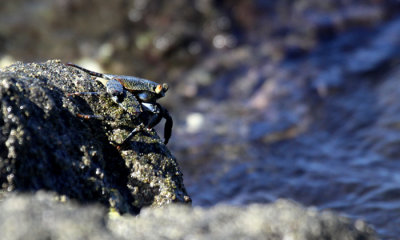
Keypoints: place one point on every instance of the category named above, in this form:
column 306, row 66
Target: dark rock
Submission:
column 39, row 216
column 45, row 146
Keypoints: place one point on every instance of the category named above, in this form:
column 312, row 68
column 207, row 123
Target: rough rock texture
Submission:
column 39, row 216
column 43, row 145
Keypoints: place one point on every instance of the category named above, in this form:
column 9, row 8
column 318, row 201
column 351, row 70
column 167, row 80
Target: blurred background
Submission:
column 270, row 99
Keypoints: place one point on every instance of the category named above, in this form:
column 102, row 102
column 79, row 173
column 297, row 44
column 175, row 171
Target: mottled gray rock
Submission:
column 39, row 216
column 43, row 145
column 280, row 220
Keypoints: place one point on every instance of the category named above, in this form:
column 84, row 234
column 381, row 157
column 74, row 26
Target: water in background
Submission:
column 321, row 128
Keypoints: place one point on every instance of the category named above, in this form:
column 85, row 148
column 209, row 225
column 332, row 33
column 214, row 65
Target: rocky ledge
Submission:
column 44, row 145
column 43, row 216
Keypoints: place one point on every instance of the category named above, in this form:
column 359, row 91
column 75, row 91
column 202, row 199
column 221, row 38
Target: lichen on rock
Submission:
column 44, row 145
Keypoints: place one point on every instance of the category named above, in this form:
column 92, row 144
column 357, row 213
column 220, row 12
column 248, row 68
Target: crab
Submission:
column 134, row 95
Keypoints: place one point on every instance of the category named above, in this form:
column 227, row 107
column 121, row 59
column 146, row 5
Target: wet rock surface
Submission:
column 43, row 216
column 44, row 145
column 321, row 129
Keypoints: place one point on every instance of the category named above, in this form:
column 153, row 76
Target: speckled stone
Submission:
column 44, row 216
column 44, row 145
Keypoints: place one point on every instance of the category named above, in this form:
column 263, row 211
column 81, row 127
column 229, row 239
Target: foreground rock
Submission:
column 43, row 145
column 39, row 216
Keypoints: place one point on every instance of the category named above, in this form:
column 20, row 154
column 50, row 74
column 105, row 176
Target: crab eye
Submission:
column 158, row 89
column 165, row 87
